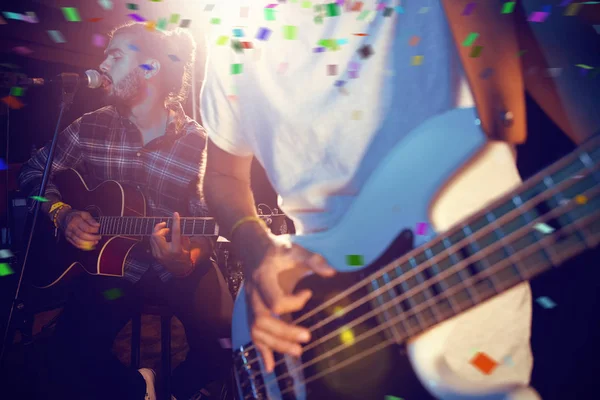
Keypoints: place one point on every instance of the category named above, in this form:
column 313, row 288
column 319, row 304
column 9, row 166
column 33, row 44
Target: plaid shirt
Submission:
column 104, row 145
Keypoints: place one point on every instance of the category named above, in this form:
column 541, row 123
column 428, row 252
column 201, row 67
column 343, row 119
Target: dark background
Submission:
column 565, row 338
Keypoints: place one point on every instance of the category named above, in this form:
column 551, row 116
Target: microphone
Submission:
column 92, row 79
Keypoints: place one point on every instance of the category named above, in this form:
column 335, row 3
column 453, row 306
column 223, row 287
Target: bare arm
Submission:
column 229, row 198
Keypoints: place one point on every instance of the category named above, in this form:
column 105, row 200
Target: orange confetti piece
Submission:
column 484, row 363
column 360, row 34
column 94, row 19
column 580, row 199
column 12, row 102
column 414, row 40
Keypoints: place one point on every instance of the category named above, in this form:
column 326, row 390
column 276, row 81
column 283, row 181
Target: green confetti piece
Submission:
column 270, row 14
column 236, row 69
column 584, row 66
column 71, row 14
column 17, row 91
column 132, row 6
column 355, row 260
column 222, row 40
column 476, row 51
column 318, row 20
column 388, row 397
column 290, row 32
column 112, row 294
column 40, row 199
column 5, row 269
column 363, row 15
column 470, row 39
column 161, row 24
column 174, row 19
column 508, row 7
column 237, row 46
column 333, row 10
column 215, row 21
column 306, row 4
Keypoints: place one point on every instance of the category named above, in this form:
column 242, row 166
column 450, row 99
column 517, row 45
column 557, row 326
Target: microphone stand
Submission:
column 69, row 83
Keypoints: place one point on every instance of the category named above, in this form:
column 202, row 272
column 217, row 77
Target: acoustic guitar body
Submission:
column 61, row 260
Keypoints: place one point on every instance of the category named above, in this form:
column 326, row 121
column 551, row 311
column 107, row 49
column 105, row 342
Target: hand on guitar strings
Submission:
column 176, row 255
column 269, row 290
column 80, row 229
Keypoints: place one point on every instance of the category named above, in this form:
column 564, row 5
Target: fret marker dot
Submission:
column 581, row 199
column 355, row 260
column 347, row 336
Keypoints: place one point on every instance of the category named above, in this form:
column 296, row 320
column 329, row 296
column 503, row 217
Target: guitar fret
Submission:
column 204, row 227
column 183, row 229
column 386, row 314
column 194, row 227
column 426, row 292
column 473, row 244
column 506, row 248
column 410, row 300
column 471, row 292
column 437, row 271
column 393, row 294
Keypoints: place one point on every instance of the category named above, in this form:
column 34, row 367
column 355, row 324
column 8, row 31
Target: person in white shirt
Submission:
column 318, row 99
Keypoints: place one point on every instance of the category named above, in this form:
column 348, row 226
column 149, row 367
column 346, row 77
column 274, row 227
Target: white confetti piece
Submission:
column 57, row 37
column 544, row 228
column 5, row 253
column 106, row 4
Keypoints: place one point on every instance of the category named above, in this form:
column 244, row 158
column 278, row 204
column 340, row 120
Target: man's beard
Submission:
column 127, row 90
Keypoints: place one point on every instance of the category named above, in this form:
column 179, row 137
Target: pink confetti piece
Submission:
column 98, row 40
column 272, row 6
column 538, row 16
column 380, row 6
column 421, row 228
column 22, row 50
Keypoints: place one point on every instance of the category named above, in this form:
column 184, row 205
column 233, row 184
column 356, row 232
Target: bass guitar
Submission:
column 397, row 284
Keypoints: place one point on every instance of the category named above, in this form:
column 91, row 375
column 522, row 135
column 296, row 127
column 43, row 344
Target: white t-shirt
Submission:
column 318, row 142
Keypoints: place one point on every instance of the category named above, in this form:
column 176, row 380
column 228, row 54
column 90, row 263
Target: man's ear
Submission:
column 151, row 68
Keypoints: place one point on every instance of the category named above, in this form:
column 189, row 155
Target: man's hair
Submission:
column 175, row 50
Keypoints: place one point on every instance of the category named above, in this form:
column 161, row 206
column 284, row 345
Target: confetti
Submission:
column 150, row 25
column 597, row 28
column 40, row 199
column 388, row 397
column 174, row 19
column 360, row 34
column 484, row 363
column 476, row 51
column 132, row 6
column 333, row 10
column 237, row 32
column 290, row 32
column 12, row 102
column 236, row 69
column 112, row 294
column 5, row 269
column 319, row 50
column 225, row 343
column 468, row 9
column 71, row 14
column 22, row 50
column 215, row 21
column 470, row 39
column 581, row 199
column 546, row 302
column 508, row 361
column 421, row 228
column 136, row 17
column 414, row 41
column 3, row 165
column 342, row 41
column 247, row 45
column 31, row 17
column 263, row 34
column 332, row 70
column 584, row 66
column 339, row 83
column 209, row 7
column 222, row 40
column 357, row 6
column 237, row 46
column 161, row 25
column 12, row 15
column 185, row 23
column 306, row 4
column 133, row 47
column 99, row 40
column 355, row 260
column 538, row 16
column 400, row 9
column 508, row 7
column 57, row 37
column 146, row 67
column 6, row 253
column 365, row 51
column 388, row 12
column 416, row 60
column 94, row 19
column 356, row 115
column 363, row 15
column 17, row 91
column 353, row 74
column 106, row 4
column 318, row 20
column 269, row 14
column 347, row 336
column 543, row 228
column 174, row 58
column 572, row 10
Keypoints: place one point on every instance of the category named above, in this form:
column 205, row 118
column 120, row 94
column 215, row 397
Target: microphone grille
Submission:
column 94, row 78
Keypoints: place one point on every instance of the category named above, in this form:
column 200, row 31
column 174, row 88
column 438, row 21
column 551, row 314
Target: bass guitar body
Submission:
column 58, row 260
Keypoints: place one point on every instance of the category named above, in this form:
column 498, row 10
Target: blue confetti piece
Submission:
column 146, row 67
column 319, row 50
column 133, row 47
column 263, row 34
column 342, row 41
column 546, row 302
column 547, row 9
column 399, row 9
column 174, row 58
column 340, row 83
column 3, row 165
column 237, row 32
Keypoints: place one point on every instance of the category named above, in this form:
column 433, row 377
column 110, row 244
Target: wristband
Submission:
column 56, row 212
column 242, row 221
column 55, row 206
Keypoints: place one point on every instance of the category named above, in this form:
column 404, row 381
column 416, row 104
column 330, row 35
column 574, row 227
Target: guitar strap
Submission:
column 499, row 97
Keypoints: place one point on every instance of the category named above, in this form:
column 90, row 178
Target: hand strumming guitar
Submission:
column 269, row 290
column 179, row 255
column 80, row 228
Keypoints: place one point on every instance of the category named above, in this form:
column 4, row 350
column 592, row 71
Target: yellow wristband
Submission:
column 56, row 205
column 243, row 221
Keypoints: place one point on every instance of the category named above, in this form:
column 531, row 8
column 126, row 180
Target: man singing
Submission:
column 320, row 99
column 142, row 139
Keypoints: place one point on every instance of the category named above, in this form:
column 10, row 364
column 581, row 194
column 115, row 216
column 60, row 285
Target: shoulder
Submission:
column 193, row 131
column 101, row 115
